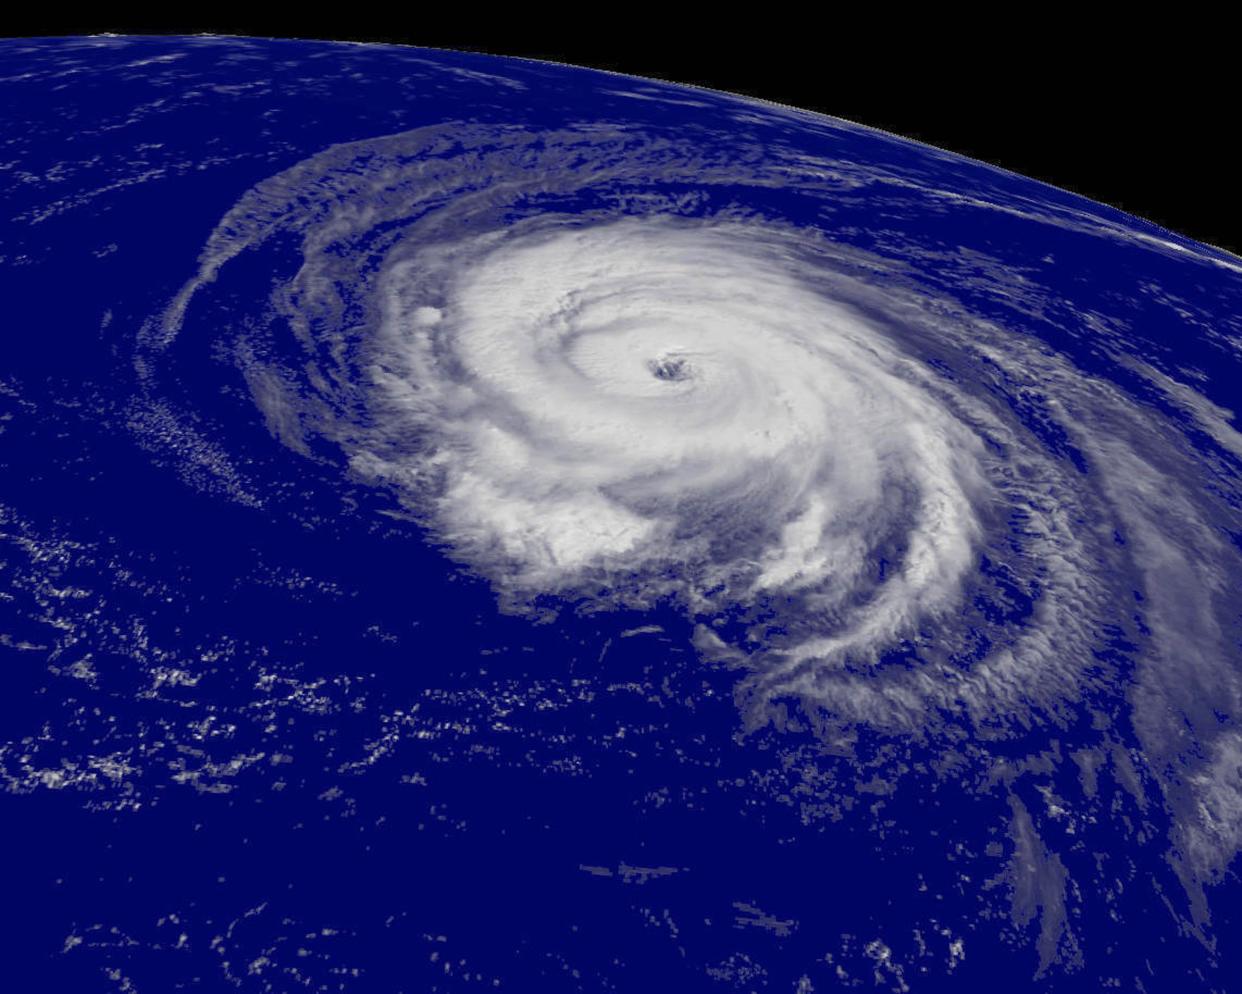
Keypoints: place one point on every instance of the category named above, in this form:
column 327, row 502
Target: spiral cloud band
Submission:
column 866, row 495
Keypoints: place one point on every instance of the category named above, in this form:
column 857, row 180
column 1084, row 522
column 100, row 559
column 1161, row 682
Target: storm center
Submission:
column 672, row 368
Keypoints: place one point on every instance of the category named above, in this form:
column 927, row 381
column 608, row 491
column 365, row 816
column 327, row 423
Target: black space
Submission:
column 1143, row 117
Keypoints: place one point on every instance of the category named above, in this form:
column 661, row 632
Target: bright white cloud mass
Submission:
column 868, row 498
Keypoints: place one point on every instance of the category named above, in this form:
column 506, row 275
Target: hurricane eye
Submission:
column 671, row 368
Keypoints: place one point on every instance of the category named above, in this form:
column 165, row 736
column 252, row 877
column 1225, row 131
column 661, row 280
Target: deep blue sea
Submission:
column 477, row 524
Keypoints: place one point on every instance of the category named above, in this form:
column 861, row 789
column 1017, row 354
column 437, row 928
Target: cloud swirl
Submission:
column 607, row 368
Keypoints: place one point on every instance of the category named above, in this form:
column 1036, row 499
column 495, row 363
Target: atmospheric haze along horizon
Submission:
column 914, row 497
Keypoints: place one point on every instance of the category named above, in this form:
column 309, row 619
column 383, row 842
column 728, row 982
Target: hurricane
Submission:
column 862, row 494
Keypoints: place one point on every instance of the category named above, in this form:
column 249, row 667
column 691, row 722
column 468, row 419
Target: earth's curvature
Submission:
column 470, row 524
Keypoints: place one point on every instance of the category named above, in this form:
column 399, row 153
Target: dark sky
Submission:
column 1142, row 116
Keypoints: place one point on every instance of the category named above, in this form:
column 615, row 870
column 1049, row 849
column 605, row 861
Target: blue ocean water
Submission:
column 372, row 620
